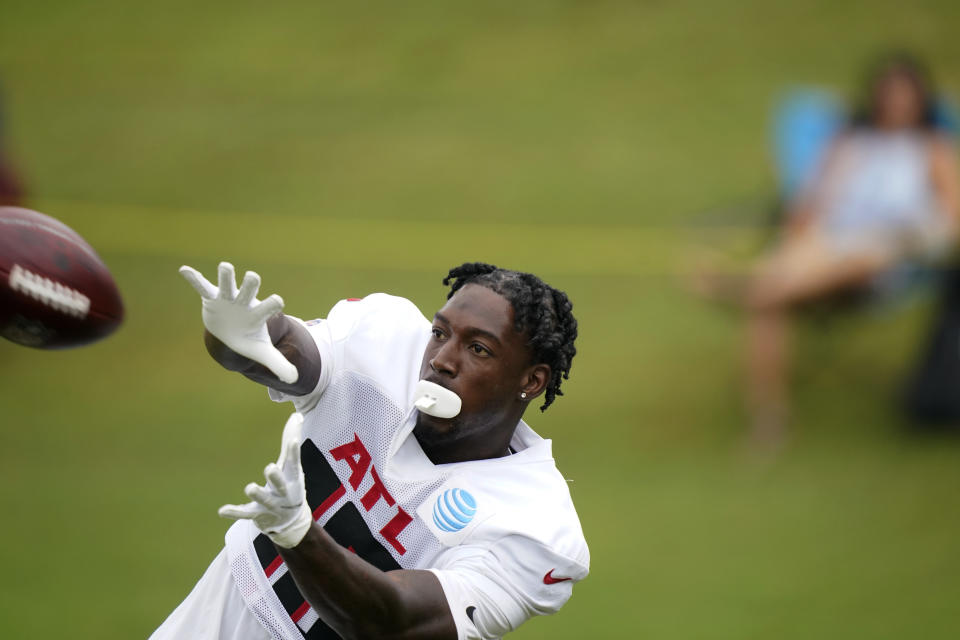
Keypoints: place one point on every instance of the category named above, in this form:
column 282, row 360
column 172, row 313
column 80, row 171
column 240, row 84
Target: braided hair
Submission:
column 540, row 311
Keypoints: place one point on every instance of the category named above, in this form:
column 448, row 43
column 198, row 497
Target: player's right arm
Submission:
column 253, row 337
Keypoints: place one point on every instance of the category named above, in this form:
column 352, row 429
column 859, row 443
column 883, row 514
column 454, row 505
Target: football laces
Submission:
column 55, row 295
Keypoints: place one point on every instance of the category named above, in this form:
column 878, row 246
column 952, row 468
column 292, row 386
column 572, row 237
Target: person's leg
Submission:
column 799, row 272
column 767, row 336
column 802, row 268
column 814, row 280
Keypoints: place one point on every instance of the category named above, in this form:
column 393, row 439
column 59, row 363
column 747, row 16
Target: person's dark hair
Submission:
column 902, row 63
column 540, row 311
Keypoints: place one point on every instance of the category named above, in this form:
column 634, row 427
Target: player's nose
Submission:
column 444, row 361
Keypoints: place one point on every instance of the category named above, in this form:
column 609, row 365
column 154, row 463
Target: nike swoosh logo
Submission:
column 549, row 579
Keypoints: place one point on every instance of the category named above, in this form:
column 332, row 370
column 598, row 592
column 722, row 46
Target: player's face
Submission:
column 899, row 103
column 476, row 352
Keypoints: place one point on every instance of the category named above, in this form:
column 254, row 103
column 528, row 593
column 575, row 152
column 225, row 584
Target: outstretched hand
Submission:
column 279, row 508
column 238, row 319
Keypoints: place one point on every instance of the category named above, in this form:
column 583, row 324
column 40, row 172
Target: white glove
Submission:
column 239, row 320
column 279, row 508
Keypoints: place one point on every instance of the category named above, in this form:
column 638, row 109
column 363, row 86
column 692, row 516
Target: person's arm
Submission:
column 253, row 337
column 358, row 600
column 350, row 595
column 946, row 181
column 292, row 340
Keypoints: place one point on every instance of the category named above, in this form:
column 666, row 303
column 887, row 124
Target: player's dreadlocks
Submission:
column 541, row 311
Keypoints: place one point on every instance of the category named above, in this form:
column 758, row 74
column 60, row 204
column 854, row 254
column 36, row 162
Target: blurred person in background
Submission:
column 886, row 192
column 11, row 191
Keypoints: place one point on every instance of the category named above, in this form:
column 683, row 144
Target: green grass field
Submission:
column 351, row 149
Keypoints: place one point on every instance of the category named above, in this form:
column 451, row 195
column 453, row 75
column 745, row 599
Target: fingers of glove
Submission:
column 240, row 511
column 290, row 442
column 290, row 463
column 226, row 281
column 268, row 355
column 203, row 286
column 275, row 479
column 248, row 288
column 269, row 307
column 266, row 498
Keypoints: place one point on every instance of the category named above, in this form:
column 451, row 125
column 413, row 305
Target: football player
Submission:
column 410, row 499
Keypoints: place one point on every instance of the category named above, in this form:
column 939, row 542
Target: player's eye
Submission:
column 437, row 333
column 479, row 349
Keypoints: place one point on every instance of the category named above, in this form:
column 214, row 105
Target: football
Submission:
column 55, row 291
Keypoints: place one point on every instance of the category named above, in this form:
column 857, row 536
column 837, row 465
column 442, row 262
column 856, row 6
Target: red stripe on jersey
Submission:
column 273, row 566
column 329, row 502
column 319, row 511
column 300, row 612
column 354, row 299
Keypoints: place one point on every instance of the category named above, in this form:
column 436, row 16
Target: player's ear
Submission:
column 535, row 380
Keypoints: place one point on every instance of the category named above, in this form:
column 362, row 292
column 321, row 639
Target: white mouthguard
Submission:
column 434, row 400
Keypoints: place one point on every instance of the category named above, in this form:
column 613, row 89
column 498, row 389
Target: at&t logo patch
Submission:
column 454, row 510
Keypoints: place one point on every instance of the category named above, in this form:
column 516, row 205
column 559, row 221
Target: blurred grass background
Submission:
column 341, row 150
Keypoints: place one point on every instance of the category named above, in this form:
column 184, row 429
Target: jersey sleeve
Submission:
column 492, row 590
column 370, row 335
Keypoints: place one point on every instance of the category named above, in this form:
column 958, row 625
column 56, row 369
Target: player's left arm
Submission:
column 350, row 595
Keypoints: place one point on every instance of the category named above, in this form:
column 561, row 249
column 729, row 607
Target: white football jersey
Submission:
column 501, row 535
